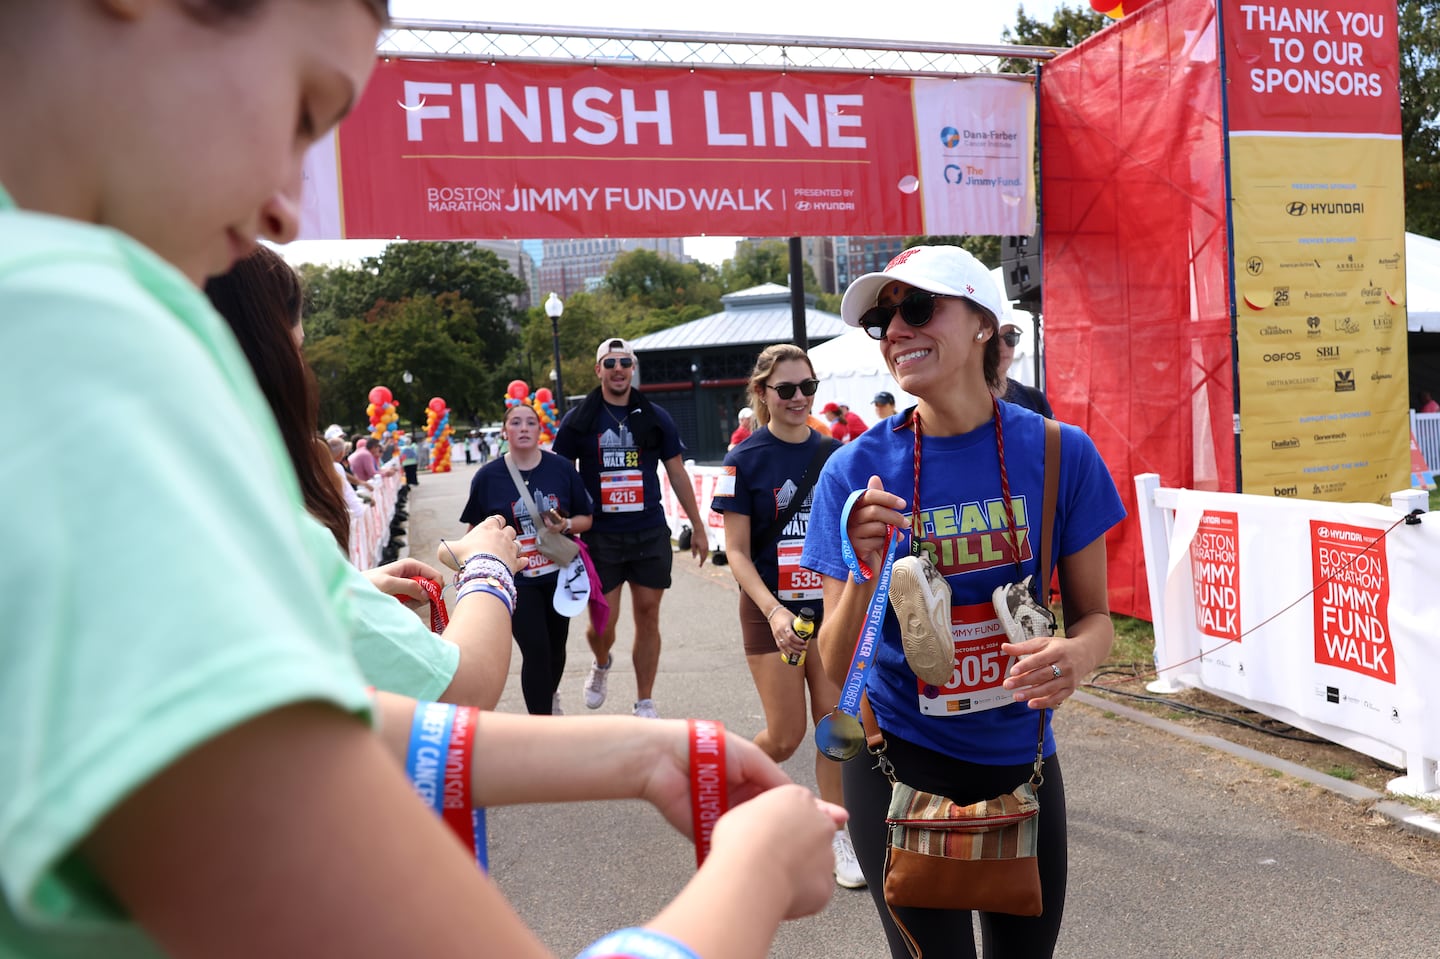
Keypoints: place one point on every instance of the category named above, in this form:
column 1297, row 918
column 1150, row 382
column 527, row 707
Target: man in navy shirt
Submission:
column 1015, row 391
column 618, row 439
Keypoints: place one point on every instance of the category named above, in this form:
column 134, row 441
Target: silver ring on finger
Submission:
column 1055, row 671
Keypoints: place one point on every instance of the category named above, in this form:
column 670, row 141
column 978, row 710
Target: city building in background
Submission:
column 818, row 251
column 858, row 255
column 576, row 266
column 515, row 256
column 699, row 370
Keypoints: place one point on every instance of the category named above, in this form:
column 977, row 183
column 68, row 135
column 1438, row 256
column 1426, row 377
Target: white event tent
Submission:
column 1422, row 283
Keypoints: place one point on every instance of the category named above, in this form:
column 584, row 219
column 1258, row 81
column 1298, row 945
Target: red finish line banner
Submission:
column 462, row 150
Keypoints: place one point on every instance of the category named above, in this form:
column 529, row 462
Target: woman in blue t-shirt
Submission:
column 970, row 469
column 766, row 501
column 539, row 630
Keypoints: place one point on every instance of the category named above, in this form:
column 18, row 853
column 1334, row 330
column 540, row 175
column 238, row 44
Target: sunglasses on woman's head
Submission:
column 916, row 309
column 786, row 391
column 624, row 361
column 1011, row 338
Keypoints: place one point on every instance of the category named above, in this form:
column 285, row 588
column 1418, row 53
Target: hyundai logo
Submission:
column 1296, row 208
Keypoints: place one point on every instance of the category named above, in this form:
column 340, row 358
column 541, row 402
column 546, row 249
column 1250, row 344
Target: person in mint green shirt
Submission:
column 188, row 767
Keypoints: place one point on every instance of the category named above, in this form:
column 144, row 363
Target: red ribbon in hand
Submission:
column 709, row 793
column 439, row 615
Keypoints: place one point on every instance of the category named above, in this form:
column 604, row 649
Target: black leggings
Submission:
column 948, row 934
column 540, row 632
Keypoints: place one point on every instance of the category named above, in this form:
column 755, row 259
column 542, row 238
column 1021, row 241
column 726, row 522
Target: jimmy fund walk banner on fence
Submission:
column 466, row 150
column 1319, row 237
column 1354, row 652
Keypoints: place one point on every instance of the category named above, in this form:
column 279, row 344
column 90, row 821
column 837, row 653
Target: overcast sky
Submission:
column 951, row 21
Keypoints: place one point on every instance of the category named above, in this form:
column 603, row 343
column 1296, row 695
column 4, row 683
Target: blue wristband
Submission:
column 425, row 754
column 637, row 943
column 476, row 586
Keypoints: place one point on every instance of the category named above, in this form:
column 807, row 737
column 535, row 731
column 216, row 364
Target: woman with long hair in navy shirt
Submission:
column 767, row 471
column 539, row 630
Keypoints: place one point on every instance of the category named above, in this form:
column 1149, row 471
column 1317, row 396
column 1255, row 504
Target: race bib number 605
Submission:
column 979, row 670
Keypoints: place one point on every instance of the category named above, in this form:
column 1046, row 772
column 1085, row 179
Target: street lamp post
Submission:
column 553, row 308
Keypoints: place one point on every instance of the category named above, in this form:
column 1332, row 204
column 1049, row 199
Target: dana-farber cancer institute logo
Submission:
column 950, row 137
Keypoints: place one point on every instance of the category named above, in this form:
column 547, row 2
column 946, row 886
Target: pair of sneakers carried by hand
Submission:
column 921, row 599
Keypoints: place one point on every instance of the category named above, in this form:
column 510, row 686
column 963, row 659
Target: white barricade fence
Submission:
column 703, row 479
column 1426, row 429
column 370, row 531
column 1331, row 621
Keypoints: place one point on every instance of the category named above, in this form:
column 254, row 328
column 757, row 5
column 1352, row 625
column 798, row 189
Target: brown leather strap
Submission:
column 874, row 738
column 1047, row 506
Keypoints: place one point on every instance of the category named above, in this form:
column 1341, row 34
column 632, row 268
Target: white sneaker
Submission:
column 847, row 869
column 645, row 709
column 1020, row 614
column 555, row 709
column 921, row 599
column 595, row 684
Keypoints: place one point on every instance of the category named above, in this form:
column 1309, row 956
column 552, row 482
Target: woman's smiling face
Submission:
column 925, row 359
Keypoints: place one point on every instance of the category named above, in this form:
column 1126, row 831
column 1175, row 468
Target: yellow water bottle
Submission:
column 804, row 626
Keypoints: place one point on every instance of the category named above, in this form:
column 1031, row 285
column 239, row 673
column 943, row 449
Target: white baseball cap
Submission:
column 334, row 432
column 746, row 413
column 613, row 345
column 937, row 269
column 572, row 589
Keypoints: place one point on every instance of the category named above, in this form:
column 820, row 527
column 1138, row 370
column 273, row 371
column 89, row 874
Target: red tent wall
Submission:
column 1136, row 276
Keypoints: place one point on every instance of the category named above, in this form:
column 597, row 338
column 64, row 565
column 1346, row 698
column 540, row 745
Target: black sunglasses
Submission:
column 786, row 391
column 1011, row 338
column 916, row 309
column 624, row 361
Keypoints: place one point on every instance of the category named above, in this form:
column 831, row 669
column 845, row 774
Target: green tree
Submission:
column 1419, row 33
column 767, row 261
column 586, row 321
column 1067, row 27
column 986, row 249
column 644, row 280
column 433, row 338
column 409, row 299
column 474, row 274
column 334, row 294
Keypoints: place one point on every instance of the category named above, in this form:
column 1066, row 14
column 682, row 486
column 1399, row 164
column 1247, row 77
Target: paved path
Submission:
column 1174, row 850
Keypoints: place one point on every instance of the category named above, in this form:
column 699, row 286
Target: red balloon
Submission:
column 437, row 404
column 543, row 395
column 1115, row 9
column 380, row 396
column 518, row 390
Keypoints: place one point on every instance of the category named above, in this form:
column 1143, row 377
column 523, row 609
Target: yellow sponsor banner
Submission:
column 1319, row 241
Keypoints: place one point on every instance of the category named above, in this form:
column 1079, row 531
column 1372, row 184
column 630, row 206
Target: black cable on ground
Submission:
column 1111, row 670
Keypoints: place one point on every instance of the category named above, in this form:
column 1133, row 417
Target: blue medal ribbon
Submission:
column 869, row 639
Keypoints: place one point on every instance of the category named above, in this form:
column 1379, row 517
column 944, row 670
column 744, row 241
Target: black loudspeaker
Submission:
column 1020, row 265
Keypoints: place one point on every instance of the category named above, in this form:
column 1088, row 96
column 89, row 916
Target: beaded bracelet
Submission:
column 637, row 943
column 486, row 567
column 486, row 562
